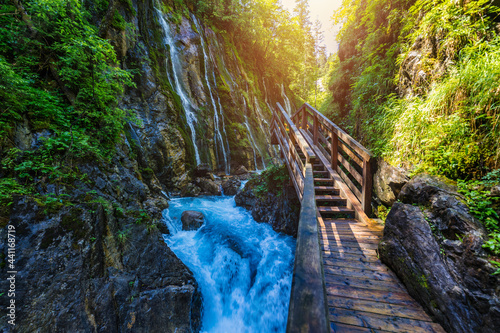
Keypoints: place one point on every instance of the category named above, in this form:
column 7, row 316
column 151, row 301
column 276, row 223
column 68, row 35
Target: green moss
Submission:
column 118, row 21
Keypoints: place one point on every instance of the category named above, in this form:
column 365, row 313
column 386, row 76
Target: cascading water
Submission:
column 244, row 268
column 173, row 78
column 288, row 106
column 217, row 134
column 253, row 143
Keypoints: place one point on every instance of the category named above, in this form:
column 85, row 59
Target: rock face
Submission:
column 281, row 211
column 434, row 246
column 100, row 265
column 231, row 186
column 192, row 220
column 388, row 182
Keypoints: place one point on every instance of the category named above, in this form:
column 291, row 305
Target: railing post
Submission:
column 304, row 119
column 334, row 151
column 367, row 187
column 315, row 128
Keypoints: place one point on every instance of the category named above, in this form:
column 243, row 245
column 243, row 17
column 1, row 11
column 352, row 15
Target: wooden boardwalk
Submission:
column 345, row 287
column 363, row 294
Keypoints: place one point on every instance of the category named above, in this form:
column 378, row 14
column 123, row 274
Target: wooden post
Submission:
column 315, row 128
column 367, row 187
column 304, row 119
column 334, row 152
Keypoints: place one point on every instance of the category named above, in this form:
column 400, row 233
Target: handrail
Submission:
column 346, row 156
column 298, row 137
column 308, row 311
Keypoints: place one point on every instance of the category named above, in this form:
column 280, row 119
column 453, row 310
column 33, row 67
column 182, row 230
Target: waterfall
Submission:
column 243, row 268
column 251, row 138
column 176, row 83
column 288, row 106
column 217, row 134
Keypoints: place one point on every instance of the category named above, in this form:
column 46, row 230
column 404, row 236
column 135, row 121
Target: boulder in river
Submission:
column 231, row 186
column 202, row 170
column 208, row 186
column 240, row 170
column 434, row 245
column 192, row 220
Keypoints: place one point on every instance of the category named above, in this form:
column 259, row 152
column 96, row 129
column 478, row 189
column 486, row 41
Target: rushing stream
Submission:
column 244, row 268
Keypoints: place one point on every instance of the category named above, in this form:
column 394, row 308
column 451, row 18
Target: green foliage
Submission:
column 447, row 122
column 118, row 21
column 272, row 180
column 482, row 206
column 57, row 75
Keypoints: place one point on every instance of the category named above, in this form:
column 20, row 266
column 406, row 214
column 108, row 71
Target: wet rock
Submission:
column 445, row 205
column 231, row 186
column 495, row 191
column 388, row 182
column 208, row 186
column 280, row 210
column 202, row 170
column 434, row 246
column 192, row 220
column 190, row 190
column 240, row 170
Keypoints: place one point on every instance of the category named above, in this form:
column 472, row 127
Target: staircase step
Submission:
column 331, row 198
column 331, row 189
column 320, row 172
column 323, row 180
column 335, row 210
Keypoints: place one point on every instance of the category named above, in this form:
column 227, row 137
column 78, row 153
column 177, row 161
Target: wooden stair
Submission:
column 363, row 294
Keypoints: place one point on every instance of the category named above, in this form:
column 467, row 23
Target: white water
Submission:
column 244, row 268
column 176, row 83
column 253, row 143
column 218, row 134
column 288, row 106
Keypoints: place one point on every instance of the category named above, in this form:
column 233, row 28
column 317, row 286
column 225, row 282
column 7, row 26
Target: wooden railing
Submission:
column 286, row 134
column 308, row 310
column 345, row 155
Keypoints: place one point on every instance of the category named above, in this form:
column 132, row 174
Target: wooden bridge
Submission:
column 339, row 283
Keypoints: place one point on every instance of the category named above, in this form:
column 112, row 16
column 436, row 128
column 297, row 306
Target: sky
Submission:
column 323, row 10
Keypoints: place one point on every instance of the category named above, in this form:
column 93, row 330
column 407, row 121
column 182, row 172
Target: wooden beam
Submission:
column 308, row 311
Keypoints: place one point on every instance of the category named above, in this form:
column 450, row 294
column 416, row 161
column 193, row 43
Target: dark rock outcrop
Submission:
column 208, row 186
column 280, row 210
column 231, row 186
column 98, row 265
column 388, row 182
column 192, row 220
column 434, row 246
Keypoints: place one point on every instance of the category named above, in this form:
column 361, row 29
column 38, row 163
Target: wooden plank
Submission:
column 335, row 209
column 348, row 152
column 347, row 249
column 308, row 301
column 345, row 239
column 376, row 321
column 361, row 273
column 349, row 183
column 349, row 256
column 378, row 307
column 344, row 328
column 359, row 264
column 351, row 169
column 366, row 283
column 371, row 295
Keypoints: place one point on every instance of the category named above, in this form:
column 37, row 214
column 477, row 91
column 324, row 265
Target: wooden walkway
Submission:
column 361, row 293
